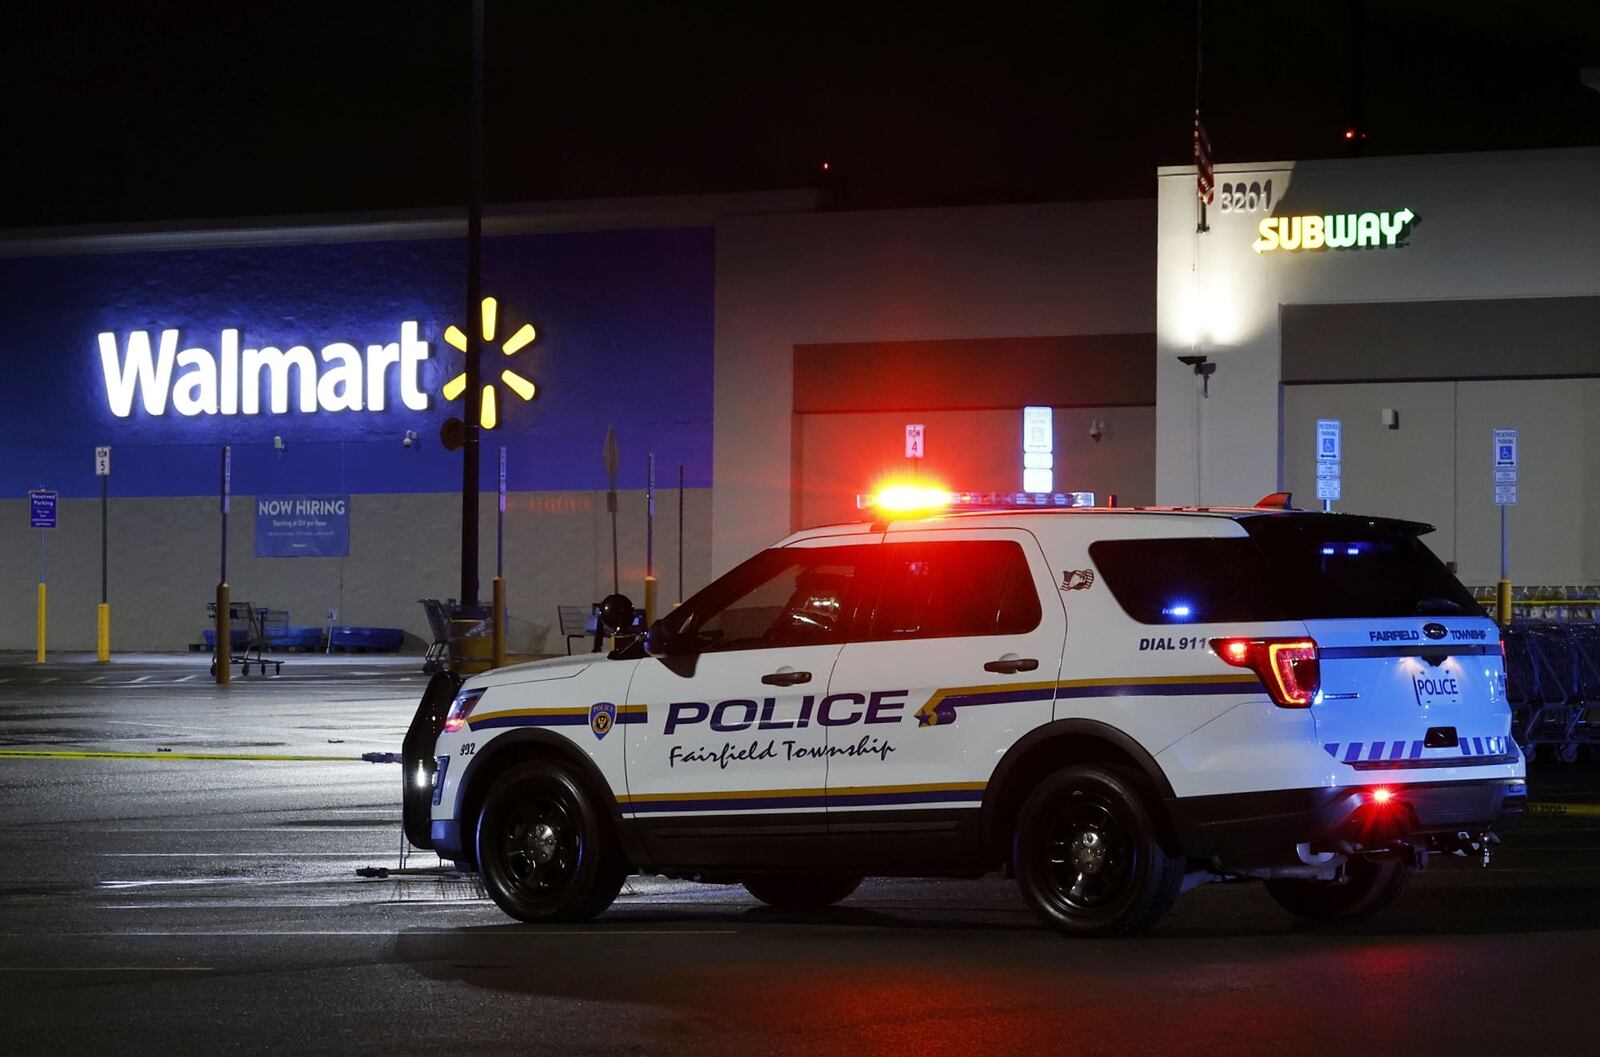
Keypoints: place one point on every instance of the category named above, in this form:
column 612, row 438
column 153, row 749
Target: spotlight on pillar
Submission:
column 1203, row 369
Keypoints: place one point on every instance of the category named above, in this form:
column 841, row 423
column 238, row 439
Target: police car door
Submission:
column 962, row 655
column 729, row 767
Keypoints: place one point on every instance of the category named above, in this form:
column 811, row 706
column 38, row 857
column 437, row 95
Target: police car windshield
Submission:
column 1289, row 567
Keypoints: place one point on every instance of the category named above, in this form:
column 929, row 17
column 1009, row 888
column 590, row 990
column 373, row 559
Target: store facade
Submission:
column 782, row 355
column 324, row 358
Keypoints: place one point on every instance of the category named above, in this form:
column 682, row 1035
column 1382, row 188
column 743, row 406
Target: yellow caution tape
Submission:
column 1573, row 810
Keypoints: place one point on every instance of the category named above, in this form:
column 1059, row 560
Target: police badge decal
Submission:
column 601, row 717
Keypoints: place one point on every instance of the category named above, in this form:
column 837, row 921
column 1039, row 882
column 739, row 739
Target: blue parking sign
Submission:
column 42, row 508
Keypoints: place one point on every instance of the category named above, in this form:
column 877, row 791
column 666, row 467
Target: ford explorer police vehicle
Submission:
column 1111, row 705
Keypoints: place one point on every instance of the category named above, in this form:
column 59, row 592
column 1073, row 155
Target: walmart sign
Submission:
column 197, row 381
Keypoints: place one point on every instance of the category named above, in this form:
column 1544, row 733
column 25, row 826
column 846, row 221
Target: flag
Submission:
column 1205, row 184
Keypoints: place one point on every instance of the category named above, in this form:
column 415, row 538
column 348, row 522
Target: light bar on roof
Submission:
column 894, row 501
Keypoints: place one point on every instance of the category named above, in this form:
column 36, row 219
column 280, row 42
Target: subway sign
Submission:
column 1334, row 231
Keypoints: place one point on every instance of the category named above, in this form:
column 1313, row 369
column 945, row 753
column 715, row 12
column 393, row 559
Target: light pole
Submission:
column 472, row 398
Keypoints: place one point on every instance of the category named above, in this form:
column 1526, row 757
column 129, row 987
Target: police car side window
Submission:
column 1188, row 580
column 955, row 587
column 782, row 597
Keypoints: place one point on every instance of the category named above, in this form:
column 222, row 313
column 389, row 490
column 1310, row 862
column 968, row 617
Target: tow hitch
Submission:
column 1472, row 846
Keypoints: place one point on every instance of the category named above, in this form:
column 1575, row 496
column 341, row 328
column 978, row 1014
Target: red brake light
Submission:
column 1288, row 667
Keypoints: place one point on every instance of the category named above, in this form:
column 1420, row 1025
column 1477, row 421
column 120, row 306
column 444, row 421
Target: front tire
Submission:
column 545, row 847
column 1088, row 856
column 802, row 891
column 1367, row 888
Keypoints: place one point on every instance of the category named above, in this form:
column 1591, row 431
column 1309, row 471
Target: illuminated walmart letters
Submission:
column 1335, row 231
column 229, row 382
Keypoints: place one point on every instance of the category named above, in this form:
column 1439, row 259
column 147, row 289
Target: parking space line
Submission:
column 105, row 969
column 510, row 930
column 85, row 754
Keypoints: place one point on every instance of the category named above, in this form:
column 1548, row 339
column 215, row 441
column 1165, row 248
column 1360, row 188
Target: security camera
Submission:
column 277, row 443
column 1097, row 430
column 410, row 438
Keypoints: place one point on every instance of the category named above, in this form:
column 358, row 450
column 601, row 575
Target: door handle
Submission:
column 1011, row 664
column 786, row 677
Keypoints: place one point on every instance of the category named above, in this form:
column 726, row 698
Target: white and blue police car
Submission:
column 1109, row 704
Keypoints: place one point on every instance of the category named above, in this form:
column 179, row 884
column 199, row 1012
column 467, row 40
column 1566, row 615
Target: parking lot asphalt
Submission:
column 157, row 899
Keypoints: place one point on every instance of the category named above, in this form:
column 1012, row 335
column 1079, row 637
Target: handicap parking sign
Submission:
column 1505, row 449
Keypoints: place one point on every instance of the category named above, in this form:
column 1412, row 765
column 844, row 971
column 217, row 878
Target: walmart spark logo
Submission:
column 489, row 412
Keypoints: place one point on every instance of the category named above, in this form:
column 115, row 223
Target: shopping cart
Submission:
column 247, row 638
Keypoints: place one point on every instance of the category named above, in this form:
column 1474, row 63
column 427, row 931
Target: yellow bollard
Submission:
column 40, row 657
column 103, row 629
column 224, row 637
column 499, row 622
column 1502, row 603
column 649, row 600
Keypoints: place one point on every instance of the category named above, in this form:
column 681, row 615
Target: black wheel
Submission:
column 1088, row 856
column 797, row 891
column 545, row 846
column 1367, row 888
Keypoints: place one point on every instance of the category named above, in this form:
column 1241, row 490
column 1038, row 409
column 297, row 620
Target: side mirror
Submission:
column 616, row 613
column 663, row 641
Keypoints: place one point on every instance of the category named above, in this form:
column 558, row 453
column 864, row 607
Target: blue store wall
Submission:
column 625, row 339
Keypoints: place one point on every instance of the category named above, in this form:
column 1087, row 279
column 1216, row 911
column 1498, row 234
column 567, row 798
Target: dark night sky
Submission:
column 159, row 111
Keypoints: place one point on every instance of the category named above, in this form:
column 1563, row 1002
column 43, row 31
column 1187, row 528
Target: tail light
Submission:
column 1287, row 667
column 460, row 709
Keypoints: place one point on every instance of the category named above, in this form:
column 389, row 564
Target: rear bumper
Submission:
column 1264, row 827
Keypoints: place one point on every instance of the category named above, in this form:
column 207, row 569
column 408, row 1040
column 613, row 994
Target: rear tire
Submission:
column 545, row 846
column 1088, row 855
column 802, row 891
column 1368, row 888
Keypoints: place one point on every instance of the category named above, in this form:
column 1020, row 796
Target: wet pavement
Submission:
column 160, row 901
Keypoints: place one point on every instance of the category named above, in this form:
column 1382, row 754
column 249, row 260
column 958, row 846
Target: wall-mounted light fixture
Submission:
column 1203, row 368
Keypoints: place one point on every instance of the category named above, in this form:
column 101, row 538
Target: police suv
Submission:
column 1111, row 705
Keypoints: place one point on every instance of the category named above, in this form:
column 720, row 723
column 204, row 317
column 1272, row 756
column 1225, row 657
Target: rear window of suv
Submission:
column 1294, row 567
